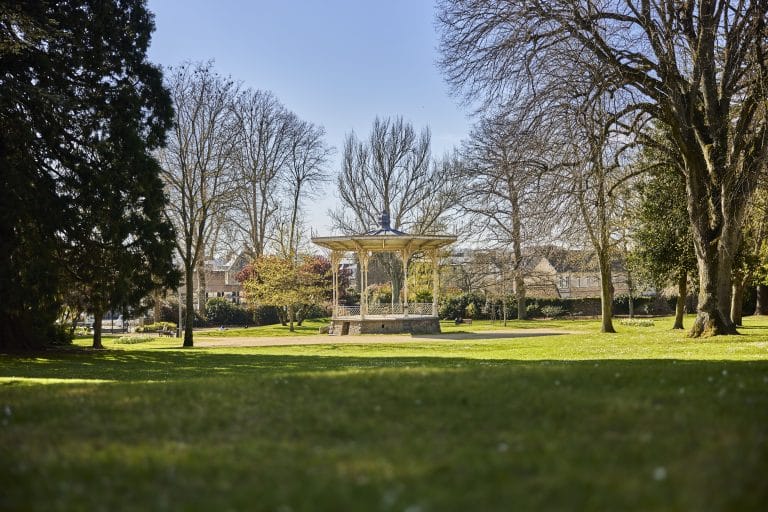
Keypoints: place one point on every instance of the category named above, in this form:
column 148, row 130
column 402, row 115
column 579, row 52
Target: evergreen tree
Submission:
column 662, row 235
column 81, row 202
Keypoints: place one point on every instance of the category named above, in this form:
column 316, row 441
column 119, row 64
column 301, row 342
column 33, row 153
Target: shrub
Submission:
column 637, row 322
column 220, row 311
column 456, row 306
column 553, row 311
column 157, row 326
column 59, row 335
column 131, row 340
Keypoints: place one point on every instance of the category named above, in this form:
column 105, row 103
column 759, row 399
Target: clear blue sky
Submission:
column 337, row 63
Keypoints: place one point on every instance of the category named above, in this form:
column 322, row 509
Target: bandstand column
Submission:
column 335, row 260
column 435, row 280
column 405, row 255
column 362, row 257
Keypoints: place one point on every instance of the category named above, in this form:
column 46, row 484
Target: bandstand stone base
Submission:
column 385, row 325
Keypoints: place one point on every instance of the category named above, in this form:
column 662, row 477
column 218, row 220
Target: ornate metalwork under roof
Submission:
column 384, row 239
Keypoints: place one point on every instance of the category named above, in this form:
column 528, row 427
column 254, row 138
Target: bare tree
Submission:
column 591, row 175
column 305, row 173
column 506, row 196
column 392, row 171
column 264, row 132
column 699, row 67
column 196, row 164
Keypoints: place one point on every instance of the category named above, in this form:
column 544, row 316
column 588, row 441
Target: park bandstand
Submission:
column 396, row 317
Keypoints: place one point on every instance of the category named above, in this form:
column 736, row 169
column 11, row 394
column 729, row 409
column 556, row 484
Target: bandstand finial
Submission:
column 384, row 220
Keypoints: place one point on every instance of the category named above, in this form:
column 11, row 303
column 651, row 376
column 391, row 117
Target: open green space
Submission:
column 645, row 419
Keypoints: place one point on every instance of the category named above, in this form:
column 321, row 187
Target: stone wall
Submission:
column 419, row 325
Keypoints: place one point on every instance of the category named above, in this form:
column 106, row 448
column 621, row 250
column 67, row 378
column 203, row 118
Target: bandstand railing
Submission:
column 416, row 309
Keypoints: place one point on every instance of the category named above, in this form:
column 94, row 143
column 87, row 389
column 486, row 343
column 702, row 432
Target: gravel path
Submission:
column 325, row 339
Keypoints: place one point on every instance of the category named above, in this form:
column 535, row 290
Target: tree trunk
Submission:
column 737, row 299
column 73, row 327
column 156, row 309
column 202, row 289
column 189, row 314
column 504, row 309
column 682, row 293
column 606, row 295
column 725, row 284
column 761, row 308
column 709, row 319
column 97, row 317
column 291, row 317
column 522, row 312
column 631, row 295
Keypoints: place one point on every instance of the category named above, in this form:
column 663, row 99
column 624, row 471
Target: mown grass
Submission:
column 641, row 420
column 309, row 326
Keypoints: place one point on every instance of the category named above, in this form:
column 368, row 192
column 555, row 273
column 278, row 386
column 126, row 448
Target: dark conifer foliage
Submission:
column 80, row 198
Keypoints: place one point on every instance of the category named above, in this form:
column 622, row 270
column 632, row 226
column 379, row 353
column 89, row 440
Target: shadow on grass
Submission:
column 162, row 365
column 209, row 431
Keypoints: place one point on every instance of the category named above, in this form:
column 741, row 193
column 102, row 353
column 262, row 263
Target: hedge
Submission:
column 456, row 306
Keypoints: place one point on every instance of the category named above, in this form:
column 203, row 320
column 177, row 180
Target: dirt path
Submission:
column 324, row 339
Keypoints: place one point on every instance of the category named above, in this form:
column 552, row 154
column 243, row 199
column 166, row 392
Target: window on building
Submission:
column 563, row 282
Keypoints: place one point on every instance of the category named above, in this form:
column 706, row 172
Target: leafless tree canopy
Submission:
column 197, row 163
column 393, row 171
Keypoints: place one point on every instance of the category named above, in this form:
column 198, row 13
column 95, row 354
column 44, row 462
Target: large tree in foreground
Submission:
column 80, row 111
column 699, row 67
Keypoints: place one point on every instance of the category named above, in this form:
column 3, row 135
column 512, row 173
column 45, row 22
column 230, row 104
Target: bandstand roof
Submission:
column 384, row 243
column 384, row 239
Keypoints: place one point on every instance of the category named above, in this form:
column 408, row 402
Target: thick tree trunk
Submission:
column 97, row 317
column 156, row 308
column 761, row 308
column 709, row 319
column 737, row 299
column 725, row 283
column 682, row 293
column 291, row 317
column 522, row 312
column 714, row 264
column 606, row 296
column 202, row 289
column 189, row 314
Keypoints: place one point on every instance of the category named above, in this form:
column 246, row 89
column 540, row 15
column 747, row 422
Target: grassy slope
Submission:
column 643, row 420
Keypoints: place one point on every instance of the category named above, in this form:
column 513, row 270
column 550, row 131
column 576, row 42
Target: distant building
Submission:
column 220, row 280
column 570, row 274
column 548, row 272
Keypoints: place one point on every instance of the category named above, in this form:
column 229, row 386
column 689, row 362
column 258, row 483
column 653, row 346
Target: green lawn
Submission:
column 309, row 326
column 641, row 420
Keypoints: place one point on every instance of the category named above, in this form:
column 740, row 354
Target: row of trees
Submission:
column 237, row 166
column 597, row 121
column 593, row 84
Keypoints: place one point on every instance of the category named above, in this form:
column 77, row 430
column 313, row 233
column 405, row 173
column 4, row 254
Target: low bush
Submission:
column 157, row 326
column 220, row 311
column 637, row 322
column 132, row 340
column 553, row 311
